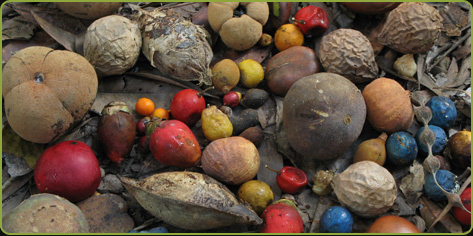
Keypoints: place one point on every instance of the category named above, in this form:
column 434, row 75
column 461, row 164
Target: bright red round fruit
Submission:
column 187, row 106
column 461, row 215
column 312, row 20
column 69, row 169
column 281, row 218
column 232, row 99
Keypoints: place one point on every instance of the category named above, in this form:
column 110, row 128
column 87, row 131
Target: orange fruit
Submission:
column 144, row 106
column 161, row 113
column 288, row 35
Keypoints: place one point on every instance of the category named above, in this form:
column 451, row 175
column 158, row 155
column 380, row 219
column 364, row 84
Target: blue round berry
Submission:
column 440, row 140
column 159, row 229
column 446, row 179
column 401, row 148
column 336, row 219
column 444, row 112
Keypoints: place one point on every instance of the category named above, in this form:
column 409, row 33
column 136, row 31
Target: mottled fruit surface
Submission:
column 392, row 224
column 444, row 112
column 461, row 215
column 446, row 180
column 256, row 193
column 440, row 140
column 336, row 219
column 281, row 218
column 459, row 146
column 401, row 148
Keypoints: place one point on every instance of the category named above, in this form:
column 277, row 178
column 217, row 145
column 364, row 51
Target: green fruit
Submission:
column 257, row 194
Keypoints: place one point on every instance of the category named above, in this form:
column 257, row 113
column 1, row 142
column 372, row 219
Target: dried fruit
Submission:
column 246, row 119
column 312, row 20
column 117, row 131
column 46, row 213
column 349, row 53
column 254, row 134
column 392, row 224
column 46, row 91
column 190, row 200
column 406, row 65
column 89, row 10
column 372, row 150
column 239, row 25
column 288, row 35
column 318, row 110
column 254, row 98
column 288, row 66
column 281, row 217
column 68, row 169
column 112, row 45
column 365, row 188
column 412, row 27
column 173, row 143
column 257, row 194
column 401, row 148
column 175, row 46
column 322, row 180
column 336, row 219
column 215, row 124
column 232, row 160
column 389, row 105
column 226, row 75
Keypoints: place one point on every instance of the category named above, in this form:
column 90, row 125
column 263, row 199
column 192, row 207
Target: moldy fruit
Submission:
column 68, row 169
column 444, row 112
column 446, row 180
column 401, row 148
column 312, row 20
column 336, row 219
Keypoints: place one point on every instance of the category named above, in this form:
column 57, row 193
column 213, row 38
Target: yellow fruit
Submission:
column 256, row 193
column 215, row 124
column 372, row 150
column 251, row 73
column 287, row 36
column 226, row 75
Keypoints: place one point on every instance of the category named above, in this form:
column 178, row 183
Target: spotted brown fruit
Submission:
column 46, row 91
column 320, row 109
column 412, row 27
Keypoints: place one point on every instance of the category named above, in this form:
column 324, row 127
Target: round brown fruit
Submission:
column 89, row 10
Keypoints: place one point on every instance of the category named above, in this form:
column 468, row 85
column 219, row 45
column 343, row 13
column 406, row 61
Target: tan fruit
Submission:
column 89, row 10
column 225, row 75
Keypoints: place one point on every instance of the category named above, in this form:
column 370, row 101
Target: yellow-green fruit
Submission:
column 372, row 150
column 251, row 73
column 225, row 75
column 216, row 124
column 256, row 193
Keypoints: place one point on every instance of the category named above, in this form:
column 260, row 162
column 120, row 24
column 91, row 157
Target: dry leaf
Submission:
column 40, row 38
column 17, row 28
column 269, row 156
column 65, row 38
column 190, row 200
column 413, row 183
column 429, row 211
column 257, row 53
column 454, row 19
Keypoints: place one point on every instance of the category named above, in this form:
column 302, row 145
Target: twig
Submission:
column 453, row 47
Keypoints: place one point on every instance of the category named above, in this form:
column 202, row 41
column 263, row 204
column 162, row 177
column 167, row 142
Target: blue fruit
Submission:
column 336, row 219
column 444, row 112
column 440, row 140
column 159, row 229
column 446, row 179
column 401, row 148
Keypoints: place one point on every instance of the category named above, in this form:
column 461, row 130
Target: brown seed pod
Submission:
column 412, row 27
column 349, row 53
column 117, row 131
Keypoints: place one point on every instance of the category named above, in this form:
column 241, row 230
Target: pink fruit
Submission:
column 69, row 169
column 173, row 143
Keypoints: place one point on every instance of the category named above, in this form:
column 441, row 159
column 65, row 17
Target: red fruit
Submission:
column 291, row 180
column 232, row 99
column 173, row 143
column 117, row 131
column 281, row 218
column 461, row 215
column 141, row 125
column 187, row 106
column 69, row 169
column 312, row 20
column 143, row 144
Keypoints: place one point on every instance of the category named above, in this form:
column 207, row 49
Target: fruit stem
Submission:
column 298, row 21
column 199, row 94
column 277, row 171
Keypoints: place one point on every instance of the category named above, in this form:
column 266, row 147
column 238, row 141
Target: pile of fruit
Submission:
column 236, row 117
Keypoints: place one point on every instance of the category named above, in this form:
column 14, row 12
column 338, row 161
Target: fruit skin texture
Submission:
column 372, row 150
column 88, row 10
column 281, row 218
column 412, row 27
column 312, row 20
column 444, row 112
column 144, row 106
column 46, row 91
column 117, row 131
column 349, row 53
column 365, row 188
column 401, row 148
column 68, row 169
column 216, row 124
column 440, row 140
column 459, row 147
column 225, row 75
column 392, row 224
column 292, row 180
column 389, row 105
column 336, row 219
column 322, row 107
column 233, row 160
column 232, row 99
column 187, row 106
column 256, row 193
column 173, row 143
column 288, row 35
column 461, row 215
column 447, row 181
column 251, row 73
column 288, row 66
